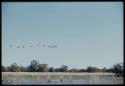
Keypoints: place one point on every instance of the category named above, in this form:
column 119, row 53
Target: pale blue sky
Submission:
column 86, row 33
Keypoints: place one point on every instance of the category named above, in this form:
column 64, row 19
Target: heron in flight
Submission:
column 31, row 46
column 23, row 46
column 55, row 46
column 18, row 47
column 10, row 46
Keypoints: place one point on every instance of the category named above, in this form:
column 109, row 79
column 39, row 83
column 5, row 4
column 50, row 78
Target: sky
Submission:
column 85, row 33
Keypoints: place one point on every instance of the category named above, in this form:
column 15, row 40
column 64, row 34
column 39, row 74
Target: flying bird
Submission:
column 18, row 47
column 55, row 46
column 31, row 46
column 23, row 46
column 10, row 46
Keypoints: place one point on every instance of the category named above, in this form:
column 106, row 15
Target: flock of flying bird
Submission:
column 50, row 46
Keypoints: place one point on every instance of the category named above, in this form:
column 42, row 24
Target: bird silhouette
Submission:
column 18, row 47
column 10, row 46
column 54, row 46
column 23, row 46
column 31, row 46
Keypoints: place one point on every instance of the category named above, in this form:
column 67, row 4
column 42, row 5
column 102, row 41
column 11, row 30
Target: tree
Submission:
column 92, row 69
column 34, row 66
column 3, row 68
column 23, row 69
column 111, row 70
column 14, row 68
column 73, row 70
column 82, row 70
column 51, row 69
column 104, row 69
column 64, row 68
column 118, row 69
column 28, row 68
column 8, row 69
column 43, row 68
column 57, row 69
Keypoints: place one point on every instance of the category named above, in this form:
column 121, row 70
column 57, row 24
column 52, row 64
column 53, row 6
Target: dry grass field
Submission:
column 54, row 73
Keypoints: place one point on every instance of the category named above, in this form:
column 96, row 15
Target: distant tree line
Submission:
column 36, row 67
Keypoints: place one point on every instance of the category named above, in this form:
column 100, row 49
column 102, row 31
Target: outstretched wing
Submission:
column 10, row 46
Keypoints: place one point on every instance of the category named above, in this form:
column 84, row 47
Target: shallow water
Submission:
column 61, row 80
